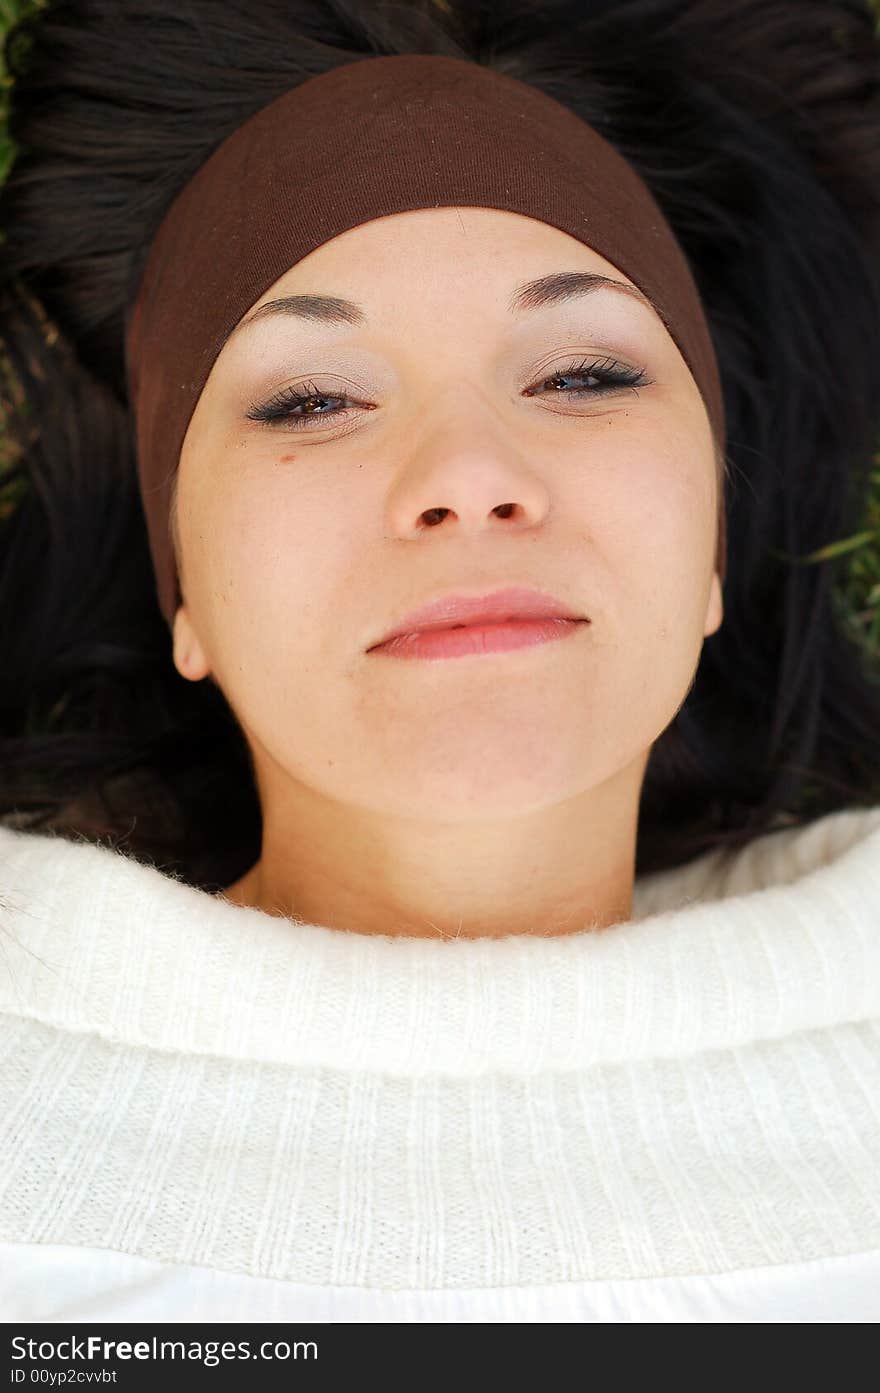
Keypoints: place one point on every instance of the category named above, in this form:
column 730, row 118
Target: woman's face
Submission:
column 303, row 538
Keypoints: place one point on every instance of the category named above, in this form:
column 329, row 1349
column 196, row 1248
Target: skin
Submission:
column 486, row 795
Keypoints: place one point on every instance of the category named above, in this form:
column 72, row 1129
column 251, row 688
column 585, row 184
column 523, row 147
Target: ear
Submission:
column 189, row 656
column 715, row 607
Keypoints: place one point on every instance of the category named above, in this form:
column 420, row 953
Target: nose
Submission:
column 468, row 486
column 432, row 516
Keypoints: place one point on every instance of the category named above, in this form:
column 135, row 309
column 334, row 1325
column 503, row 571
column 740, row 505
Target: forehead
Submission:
column 435, row 232
column 458, row 253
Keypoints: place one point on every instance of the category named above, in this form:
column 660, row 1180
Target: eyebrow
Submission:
column 554, row 289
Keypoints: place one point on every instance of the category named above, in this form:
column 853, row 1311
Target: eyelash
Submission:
column 280, row 407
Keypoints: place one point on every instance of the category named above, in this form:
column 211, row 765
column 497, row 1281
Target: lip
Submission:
column 458, row 609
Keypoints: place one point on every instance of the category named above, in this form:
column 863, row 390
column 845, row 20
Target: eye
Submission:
column 305, row 404
column 305, row 397
column 606, row 374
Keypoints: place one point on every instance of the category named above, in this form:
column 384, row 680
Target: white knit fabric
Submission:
column 208, row 1112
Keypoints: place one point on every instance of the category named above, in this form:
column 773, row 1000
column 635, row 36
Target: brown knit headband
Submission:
column 369, row 138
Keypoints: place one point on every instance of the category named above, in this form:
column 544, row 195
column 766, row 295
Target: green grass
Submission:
column 858, row 591
column 10, row 11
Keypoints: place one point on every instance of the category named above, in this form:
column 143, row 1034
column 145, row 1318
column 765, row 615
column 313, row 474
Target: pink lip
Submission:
column 458, row 623
column 473, row 639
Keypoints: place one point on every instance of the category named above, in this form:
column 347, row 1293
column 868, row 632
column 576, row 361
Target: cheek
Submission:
column 659, row 501
column 646, row 509
column 267, row 556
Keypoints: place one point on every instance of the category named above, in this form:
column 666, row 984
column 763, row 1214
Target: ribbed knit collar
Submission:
column 785, row 939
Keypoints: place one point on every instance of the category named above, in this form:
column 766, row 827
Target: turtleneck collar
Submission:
column 784, row 937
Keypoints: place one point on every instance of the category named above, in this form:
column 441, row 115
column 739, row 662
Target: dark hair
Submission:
column 757, row 127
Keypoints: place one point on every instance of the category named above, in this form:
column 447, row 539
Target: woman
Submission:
column 305, row 1051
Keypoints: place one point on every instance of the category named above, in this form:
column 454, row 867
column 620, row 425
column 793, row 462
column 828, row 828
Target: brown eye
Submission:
column 305, row 404
column 305, row 398
column 606, row 375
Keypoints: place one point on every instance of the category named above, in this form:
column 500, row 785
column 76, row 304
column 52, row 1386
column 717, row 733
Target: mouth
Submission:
column 469, row 626
column 515, row 609
column 473, row 640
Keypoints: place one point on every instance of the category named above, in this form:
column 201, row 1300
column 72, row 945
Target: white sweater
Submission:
column 212, row 1113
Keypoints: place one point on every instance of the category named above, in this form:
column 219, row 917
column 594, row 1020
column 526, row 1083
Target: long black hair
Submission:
column 756, row 124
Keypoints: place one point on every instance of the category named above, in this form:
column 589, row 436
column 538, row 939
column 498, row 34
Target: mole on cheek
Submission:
column 286, row 459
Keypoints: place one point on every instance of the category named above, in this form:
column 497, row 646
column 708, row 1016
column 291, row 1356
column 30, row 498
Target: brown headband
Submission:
column 369, row 138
